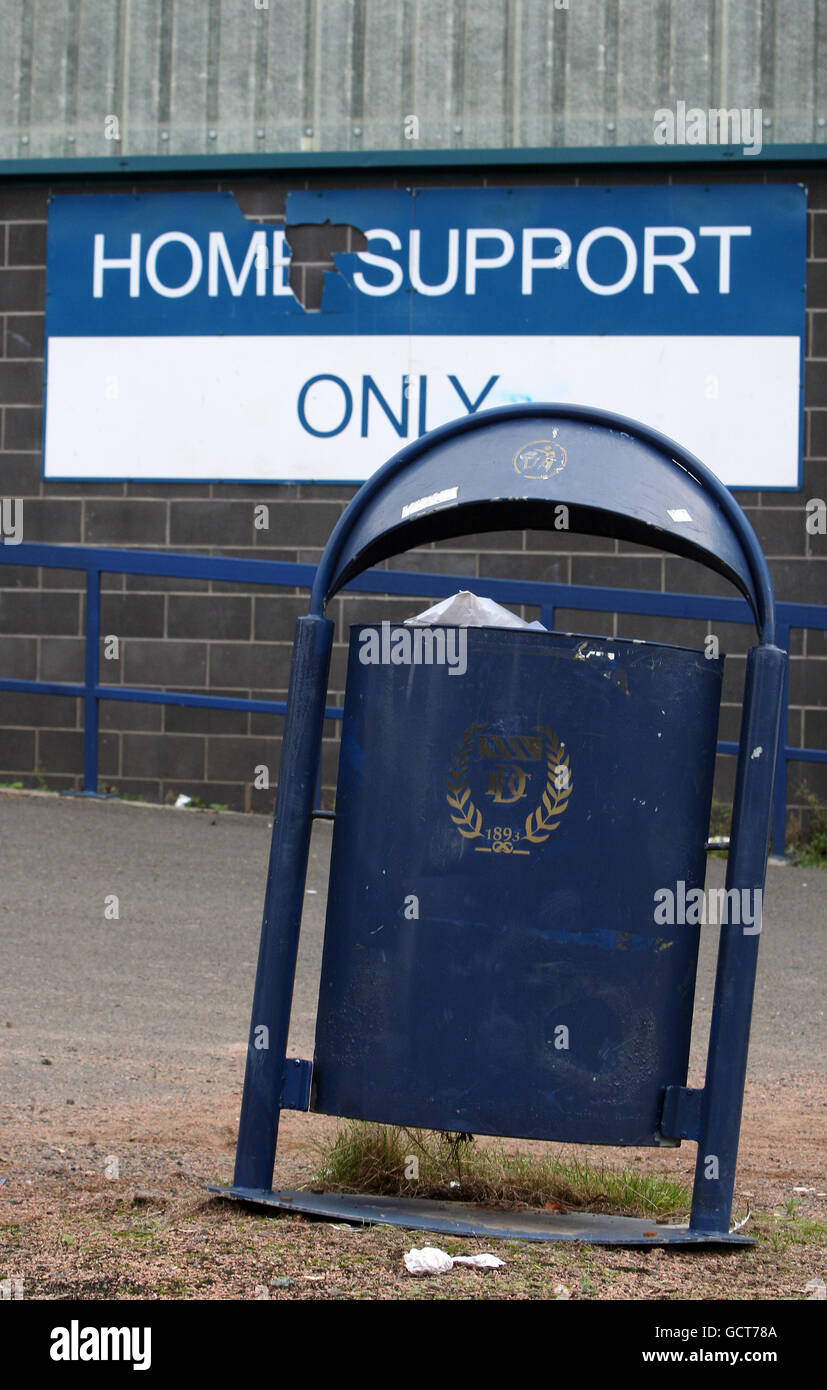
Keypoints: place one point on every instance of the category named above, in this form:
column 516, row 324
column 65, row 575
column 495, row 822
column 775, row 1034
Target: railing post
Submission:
column 779, row 794
column 90, row 703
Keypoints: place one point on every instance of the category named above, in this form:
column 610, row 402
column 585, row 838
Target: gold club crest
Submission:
column 507, row 773
column 542, row 458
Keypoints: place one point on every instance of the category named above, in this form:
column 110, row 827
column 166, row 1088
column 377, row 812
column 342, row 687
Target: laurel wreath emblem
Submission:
column 554, row 799
column 468, row 818
column 539, row 823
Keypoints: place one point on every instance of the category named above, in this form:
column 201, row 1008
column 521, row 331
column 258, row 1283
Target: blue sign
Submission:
column 177, row 349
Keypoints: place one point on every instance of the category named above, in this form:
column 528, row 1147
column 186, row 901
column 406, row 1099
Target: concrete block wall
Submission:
column 188, row 635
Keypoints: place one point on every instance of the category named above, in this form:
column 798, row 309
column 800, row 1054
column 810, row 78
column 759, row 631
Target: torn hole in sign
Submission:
column 311, row 246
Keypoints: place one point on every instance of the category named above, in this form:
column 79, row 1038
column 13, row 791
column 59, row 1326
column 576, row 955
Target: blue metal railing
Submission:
column 96, row 561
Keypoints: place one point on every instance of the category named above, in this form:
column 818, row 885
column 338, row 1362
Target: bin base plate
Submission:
column 472, row 1219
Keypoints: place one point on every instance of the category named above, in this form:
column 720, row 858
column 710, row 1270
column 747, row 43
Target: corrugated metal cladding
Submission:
column 264, row 76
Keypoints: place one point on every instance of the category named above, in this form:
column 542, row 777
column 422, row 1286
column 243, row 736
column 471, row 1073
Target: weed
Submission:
column 377, row 1158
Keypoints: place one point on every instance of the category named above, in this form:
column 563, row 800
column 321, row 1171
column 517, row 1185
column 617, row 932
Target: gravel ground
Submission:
column 122, row 1060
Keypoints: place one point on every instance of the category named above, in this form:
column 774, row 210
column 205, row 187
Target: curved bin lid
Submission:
column 515, row 466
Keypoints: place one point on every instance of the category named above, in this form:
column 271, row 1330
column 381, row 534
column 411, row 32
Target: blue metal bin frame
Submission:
column 505, row 469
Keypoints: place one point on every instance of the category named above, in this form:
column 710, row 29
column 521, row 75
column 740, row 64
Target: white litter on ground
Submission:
column 479, row 1261
column 429, row 1260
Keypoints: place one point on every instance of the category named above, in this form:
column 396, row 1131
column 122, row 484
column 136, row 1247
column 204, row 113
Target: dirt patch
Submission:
column 112, row 1205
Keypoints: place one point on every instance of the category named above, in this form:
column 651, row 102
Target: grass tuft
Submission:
column 393, row 1161
column 810, row 850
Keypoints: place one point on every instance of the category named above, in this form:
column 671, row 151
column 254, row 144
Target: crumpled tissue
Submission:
column 429, row 1260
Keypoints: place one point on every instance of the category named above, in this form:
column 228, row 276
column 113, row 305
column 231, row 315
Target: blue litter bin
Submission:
column 492, row 964
column 517, row 835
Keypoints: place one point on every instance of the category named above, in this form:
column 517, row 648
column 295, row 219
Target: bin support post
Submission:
column 284, row 896
column 738, row 950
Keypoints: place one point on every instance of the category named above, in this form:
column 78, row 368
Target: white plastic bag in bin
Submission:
column 469, row 610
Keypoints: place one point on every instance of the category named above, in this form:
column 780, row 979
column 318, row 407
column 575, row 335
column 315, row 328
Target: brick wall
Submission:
column 188, row 635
